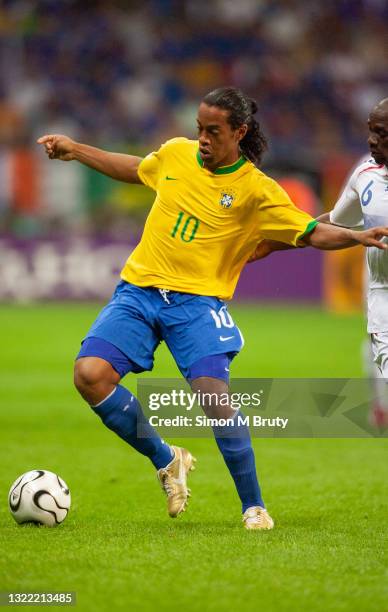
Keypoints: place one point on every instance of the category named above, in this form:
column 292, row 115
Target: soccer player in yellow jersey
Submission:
column 213, row 211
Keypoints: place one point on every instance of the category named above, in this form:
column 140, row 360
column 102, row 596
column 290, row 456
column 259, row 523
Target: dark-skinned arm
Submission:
column 333, row 237
column 115, row 165
column 327, row 237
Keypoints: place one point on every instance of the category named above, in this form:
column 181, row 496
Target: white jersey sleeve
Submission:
column 347, row 210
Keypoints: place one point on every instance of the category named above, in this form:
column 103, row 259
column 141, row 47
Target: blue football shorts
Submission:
column 137, row 319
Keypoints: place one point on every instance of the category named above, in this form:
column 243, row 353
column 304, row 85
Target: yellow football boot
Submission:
column 173, row 480
column 256, row 517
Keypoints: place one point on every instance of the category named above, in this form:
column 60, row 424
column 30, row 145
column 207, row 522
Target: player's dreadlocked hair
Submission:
column 241, row 110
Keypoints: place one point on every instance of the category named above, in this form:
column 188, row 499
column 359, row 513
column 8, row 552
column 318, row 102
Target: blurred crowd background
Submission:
column 128, row 75
column 133, row 71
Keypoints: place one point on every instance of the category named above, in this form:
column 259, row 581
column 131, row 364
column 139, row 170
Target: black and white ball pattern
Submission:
column 39, row 496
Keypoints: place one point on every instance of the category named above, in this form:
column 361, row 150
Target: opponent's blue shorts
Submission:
column 137, row 319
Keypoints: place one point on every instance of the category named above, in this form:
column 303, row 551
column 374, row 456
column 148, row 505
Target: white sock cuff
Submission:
column 104, row 400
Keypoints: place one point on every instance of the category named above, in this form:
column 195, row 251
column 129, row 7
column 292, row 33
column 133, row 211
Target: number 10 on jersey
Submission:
column 187, row 225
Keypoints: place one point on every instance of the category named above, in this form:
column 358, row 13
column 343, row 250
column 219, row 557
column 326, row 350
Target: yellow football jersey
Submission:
column 204, row 225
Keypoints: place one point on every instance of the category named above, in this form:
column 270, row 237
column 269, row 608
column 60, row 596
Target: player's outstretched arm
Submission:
column 116, row 165
column 332, row 237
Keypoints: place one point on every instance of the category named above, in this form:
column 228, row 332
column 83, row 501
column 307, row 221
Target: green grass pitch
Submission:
column 119, row 550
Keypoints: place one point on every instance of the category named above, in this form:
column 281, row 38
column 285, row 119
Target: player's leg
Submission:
column 97, row 380
column 203, row 339
column 97, row 373
column 94, row 377
column 123, row 339
column 234, row 442
column 378, row 410
column 378, row 372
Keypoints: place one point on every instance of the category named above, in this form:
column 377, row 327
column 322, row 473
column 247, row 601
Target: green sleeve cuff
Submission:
column 313, row 223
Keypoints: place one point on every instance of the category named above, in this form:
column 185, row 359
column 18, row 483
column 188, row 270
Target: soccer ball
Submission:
column 39, row 497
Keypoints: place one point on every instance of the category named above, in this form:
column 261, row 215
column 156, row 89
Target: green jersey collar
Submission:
column 224, row 169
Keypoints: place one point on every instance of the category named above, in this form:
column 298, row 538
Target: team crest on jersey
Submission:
column 227, row 198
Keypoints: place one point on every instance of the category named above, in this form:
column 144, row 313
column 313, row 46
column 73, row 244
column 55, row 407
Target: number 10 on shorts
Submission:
column 222, row 318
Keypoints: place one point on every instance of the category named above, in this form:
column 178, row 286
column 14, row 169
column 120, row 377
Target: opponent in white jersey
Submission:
column 379, row 399
column 364, row 203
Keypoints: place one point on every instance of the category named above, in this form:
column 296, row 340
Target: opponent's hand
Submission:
column 266, row 247
column 263, row 249
column 58, row 146
column 372, row 237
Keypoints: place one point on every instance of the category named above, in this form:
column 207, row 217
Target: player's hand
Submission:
column 58, row 146
column 263, row 249
column 372, row 237
column 266, row 247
